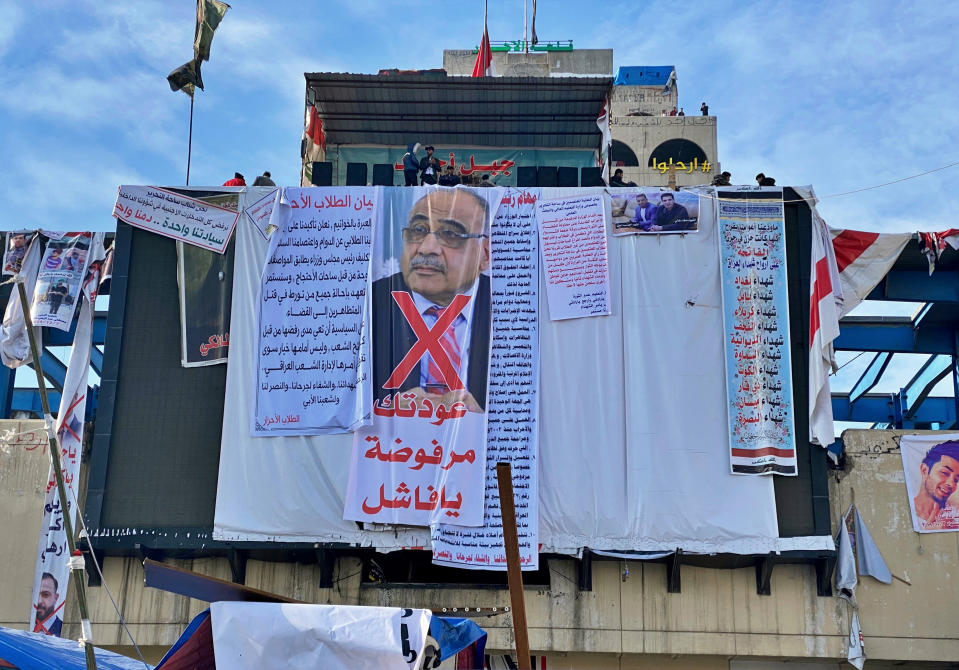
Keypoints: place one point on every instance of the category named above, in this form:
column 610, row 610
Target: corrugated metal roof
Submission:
column 557, row 112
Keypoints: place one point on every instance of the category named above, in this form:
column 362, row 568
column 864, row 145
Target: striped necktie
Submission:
column 434, row 380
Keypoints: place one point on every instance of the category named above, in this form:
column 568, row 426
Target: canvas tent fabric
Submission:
column 654, row 480
column 34, row 651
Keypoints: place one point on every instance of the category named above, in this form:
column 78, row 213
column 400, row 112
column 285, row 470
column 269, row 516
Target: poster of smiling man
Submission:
column 931, row 465
column 423, row 459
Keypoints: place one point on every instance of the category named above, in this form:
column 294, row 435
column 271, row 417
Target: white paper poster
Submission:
column 18, row 241
column 279, row 636
column 178, row 216
column 512, row 434
column 260, row 213
column 61, row 271
column 572, row 237
column 312, row 364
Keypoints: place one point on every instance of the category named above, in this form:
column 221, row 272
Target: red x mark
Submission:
column 428, row 340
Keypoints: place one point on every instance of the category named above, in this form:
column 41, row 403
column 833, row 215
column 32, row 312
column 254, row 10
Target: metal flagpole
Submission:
column 76, row 570
column 189, row 144
column 525, row 32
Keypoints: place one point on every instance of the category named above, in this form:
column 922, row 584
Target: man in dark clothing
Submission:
column 704, row 108
column 429, row 167
column 237, row 180
column 56, row 294
column 411, row 166
column 449, row 177
column 264, row 180
column 722, row 179
column 617, row 180
column 763, row 180
column 485, row 182
column 670, row 216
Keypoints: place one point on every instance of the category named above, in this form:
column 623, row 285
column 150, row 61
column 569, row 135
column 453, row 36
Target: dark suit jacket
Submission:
column 393, row 336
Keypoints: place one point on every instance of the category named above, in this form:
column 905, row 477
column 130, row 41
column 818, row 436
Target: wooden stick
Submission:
column 514, row 572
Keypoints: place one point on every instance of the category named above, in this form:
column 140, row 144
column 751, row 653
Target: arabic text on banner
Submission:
column 431, row 311
column 260, row 213
column 52, row 572
column 181, row 217
column 756, row 333
column 312, row 366
column 931, row 464
column 513, row 412
column 572, row 237
column 58, row 281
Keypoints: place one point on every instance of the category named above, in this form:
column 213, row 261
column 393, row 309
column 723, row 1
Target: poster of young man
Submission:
column 16, row 250
column 655, row 211
column 423, row 459
column 931, row 465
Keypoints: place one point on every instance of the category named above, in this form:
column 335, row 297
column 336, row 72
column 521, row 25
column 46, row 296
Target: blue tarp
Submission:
column 456, row 634
column 35, row 651
column 643, row 75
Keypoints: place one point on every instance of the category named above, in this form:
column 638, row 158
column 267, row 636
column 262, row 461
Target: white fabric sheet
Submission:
column 275, row 636
column 633, row 443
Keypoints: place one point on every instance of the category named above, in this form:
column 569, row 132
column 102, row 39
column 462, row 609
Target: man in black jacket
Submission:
column 429, row 167
column 445, row 251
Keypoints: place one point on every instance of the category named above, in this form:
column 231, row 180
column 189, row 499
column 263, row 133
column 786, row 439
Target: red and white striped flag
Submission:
column 862, row 260
column 484, row 59
column 602, row 122
column 824, row 303
column 933, row 244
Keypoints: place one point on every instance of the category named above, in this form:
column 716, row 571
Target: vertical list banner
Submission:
column 512, row 426
column 572, row 233
column 756, row 333
column 312, row 367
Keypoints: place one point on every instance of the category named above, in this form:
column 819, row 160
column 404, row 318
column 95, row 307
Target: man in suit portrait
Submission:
column 47, row 621
column 446, row 249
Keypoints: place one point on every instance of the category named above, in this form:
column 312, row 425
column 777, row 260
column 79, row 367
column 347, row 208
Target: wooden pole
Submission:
column 504, row 478
column 78, row 573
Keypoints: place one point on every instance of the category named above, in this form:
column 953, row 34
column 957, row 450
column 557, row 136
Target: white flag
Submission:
column 14, row 343
column 857, row 650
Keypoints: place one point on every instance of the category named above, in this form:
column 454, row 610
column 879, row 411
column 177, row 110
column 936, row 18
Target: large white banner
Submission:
column 53, row 572
column 931, row 465
column 181, row 217
column 762, row 432
column 312, row 363
column 513, row 410
column 572, row 235
column 275, row 636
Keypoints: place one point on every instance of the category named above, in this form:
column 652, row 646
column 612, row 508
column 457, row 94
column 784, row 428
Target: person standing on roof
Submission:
column 411, row 166
column 264, row 180
column 237, row 180
column 429, row 167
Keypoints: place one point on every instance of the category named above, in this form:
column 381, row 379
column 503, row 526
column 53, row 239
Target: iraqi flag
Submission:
column 862, row 260
column 824, row 304
column 933, row 244
column 484, row 58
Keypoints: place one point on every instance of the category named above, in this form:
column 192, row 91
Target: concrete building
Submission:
column 627, row 619
column 547, row 98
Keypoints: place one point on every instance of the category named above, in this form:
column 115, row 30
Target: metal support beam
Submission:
column 586, row 570
column 871, row 376
column 673, row 565
column 920, row 386
column 764, row 573
column 878, row 408
column 237, row 559
column 893, row 333
column 917, row 286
